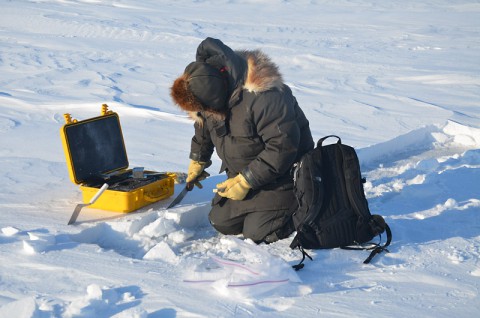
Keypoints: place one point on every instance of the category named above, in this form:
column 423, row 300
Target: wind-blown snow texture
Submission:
column 400, row 81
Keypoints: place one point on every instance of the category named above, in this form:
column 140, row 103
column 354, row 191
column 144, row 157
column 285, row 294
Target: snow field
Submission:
column 398, row 81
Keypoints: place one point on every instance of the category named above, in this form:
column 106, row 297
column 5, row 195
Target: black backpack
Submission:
column 332, row 210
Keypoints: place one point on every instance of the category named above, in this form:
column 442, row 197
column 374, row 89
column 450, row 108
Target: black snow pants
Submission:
column 263, row 216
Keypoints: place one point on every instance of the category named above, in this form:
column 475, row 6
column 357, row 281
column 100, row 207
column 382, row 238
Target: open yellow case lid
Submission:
column 93, row 147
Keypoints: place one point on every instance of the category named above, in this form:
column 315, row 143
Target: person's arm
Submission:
column 201, row 148
column 276, row 124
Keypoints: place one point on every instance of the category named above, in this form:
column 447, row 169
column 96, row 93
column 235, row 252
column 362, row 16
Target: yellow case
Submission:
column 95, row 153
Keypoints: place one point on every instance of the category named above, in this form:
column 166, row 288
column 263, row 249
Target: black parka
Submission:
column 262, row 132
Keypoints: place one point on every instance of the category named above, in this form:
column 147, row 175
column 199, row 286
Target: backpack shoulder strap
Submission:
column 380, row 248
column 300, row 265
column 360, row 206
column 353, row 178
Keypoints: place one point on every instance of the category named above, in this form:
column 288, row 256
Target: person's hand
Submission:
column 234, row 188
column 197, row 173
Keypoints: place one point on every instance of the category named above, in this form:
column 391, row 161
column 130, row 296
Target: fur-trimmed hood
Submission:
column 250, row 70
column 262, row 73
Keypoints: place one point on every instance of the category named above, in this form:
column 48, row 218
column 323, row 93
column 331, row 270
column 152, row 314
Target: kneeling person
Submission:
column 244, row 111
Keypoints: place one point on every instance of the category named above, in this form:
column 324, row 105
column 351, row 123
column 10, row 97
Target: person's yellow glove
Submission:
column 197, row 173
column 234, row 188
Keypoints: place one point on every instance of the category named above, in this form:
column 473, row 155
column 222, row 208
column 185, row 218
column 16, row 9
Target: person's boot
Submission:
column 270, row 238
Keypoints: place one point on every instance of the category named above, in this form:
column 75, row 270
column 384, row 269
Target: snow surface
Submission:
column 398, row 80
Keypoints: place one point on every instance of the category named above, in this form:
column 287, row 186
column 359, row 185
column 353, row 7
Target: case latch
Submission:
column 69, row 119
column 105, row 110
